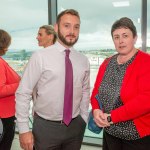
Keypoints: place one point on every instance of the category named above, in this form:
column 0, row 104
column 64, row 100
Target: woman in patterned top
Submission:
column 9, row 81
column 123, row 85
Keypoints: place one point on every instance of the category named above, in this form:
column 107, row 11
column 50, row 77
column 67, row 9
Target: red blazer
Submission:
column 9, row 81
column 135, row 93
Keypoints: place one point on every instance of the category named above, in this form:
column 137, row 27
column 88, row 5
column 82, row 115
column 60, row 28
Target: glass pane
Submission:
column 97, row 18
column 22, row 20
column 148, row 26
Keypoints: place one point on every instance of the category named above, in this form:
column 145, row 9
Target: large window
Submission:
column 22, row 20
column 95, row 39
column 96, row 20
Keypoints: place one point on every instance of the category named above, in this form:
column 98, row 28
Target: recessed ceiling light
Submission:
column 121, row 3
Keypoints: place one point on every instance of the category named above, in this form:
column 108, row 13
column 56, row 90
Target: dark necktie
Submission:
column 68, row 95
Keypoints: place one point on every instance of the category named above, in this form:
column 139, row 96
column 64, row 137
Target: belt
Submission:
column 55, row 121
column 59, row 121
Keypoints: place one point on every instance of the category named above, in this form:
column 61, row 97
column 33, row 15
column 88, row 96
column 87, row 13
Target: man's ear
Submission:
column 56, row 28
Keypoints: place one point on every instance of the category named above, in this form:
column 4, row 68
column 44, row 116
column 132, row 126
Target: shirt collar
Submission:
column 61, row 47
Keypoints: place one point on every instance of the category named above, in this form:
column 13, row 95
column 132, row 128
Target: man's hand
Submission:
column 26, row 140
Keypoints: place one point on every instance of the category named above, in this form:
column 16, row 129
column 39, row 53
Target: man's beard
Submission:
column 62, row 38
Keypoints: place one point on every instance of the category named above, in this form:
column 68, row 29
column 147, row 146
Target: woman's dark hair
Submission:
column 124, row 23
column 5, row 39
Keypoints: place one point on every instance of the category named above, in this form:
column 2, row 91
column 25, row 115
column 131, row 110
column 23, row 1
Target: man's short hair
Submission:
column 67, row 11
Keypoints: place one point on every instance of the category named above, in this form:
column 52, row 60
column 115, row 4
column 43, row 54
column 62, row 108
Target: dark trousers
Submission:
column 49, row 135
column 112, row 143
column 8, row 133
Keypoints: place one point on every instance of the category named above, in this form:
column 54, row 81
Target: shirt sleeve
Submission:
column 85, row 94
column 24, row 92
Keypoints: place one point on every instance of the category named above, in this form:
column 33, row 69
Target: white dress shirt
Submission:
column 44, row 80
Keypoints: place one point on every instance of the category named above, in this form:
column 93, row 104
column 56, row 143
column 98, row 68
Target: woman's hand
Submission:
column 100, row 118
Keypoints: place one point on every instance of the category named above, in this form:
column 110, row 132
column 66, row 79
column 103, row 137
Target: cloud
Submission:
column 23, row 18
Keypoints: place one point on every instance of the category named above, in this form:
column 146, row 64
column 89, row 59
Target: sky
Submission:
column 22, row 18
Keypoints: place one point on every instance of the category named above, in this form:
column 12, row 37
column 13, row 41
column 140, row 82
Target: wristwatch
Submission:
column 109, row 119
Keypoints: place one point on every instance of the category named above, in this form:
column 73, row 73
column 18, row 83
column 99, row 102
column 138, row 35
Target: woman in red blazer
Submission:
column 123, row 85
column 9, row 81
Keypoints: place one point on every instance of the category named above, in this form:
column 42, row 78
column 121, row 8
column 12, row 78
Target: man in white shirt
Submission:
column 45, row 72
